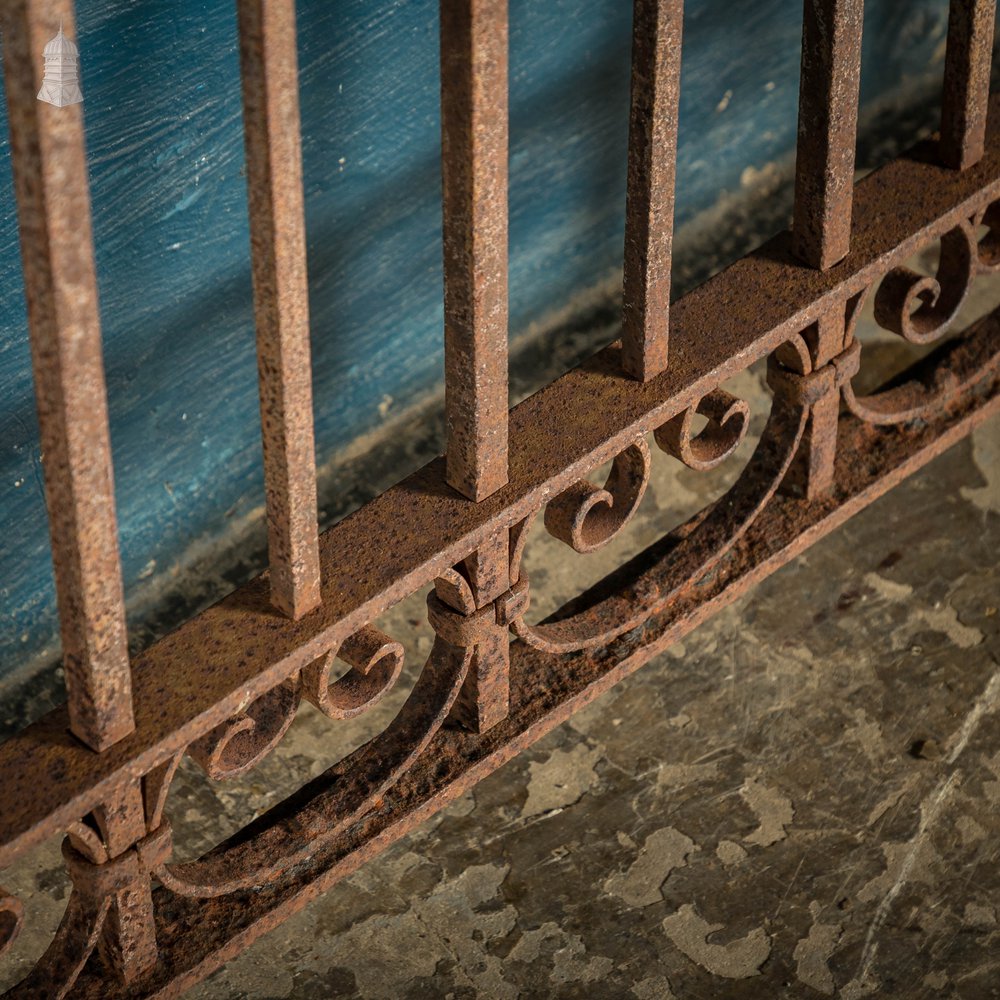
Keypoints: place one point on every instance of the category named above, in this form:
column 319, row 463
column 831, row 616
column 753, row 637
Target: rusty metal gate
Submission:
column 225, row 686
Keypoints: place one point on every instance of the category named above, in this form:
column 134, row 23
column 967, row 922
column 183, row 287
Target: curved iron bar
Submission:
column 951, row 373
column 322, row 809
column 156, row 788
column 57, row 970
column 988, row 249
column 722, row 526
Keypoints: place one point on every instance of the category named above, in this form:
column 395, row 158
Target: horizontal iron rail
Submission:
column 547, row 690
column 217, row 663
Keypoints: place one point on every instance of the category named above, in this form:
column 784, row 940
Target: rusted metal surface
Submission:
column 812, row 474
column 53, row 202
column 585, row 516
column 965, row 98
column 828, row 121
column 281, row 298
column 546, row 690
column 652, row 165
column 375, row 661
column 197, row 677
column 225, row 687
column 728, row 421
column 474, row 139
column 483, row 700
column 128, row 940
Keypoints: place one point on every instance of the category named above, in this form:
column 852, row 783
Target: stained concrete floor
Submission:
column 799, row 800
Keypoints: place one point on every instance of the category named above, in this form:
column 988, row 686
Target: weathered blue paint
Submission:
column 166, row 158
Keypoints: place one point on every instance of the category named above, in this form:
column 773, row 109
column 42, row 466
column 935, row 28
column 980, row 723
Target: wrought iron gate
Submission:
column 225, row 686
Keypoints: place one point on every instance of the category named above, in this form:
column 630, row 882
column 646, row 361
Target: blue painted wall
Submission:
column 165, row 151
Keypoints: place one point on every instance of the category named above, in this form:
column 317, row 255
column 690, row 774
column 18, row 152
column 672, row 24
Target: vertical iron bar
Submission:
column 128, row 937
column 812, row 474
column 281, row 298
column 474, row 137
column 966, row 81
column 828, row 121
column 484, row 699
column 53, row 200
column 652, row 158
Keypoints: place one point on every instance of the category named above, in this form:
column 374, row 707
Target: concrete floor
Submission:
column 799, row 800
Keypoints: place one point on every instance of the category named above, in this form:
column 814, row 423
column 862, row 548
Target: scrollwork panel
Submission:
column 922, row 309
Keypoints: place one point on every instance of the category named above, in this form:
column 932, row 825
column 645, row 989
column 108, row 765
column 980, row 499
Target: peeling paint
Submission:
column 663, row 852
column 812, row 953
column 730, row 853
column 868, row 735
column 909, row 861
column 979, row 915
column 969, row 830
column 653, row 988
column 561, row 780
column 774, row 812
column 888, row 590
column 737, row 959
column 940, row 618
column 449, row 921
column 569, row 960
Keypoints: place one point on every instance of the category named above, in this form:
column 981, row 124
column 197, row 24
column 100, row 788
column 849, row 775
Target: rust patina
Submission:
column 226, row 685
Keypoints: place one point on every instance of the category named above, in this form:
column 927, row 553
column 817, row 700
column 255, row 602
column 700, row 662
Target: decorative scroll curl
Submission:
column 920, row 308
column 728, row 421
column 950, row 374
column 331, row 803
column 586, row 516
column 242, row 742
column 375, row 661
